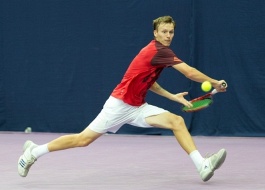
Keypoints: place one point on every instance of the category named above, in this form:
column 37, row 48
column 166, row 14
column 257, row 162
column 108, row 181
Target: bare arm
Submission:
column 198, row 76
column 156, row 88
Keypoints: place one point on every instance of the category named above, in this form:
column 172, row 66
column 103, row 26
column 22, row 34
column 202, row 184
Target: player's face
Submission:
column 164, row 33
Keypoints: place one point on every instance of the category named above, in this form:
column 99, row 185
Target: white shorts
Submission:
column 116, row 113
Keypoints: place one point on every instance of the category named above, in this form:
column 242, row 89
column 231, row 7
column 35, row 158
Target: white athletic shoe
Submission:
column 211, row 164
column 26, row 160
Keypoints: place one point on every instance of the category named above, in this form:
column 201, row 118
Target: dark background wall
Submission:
column 61, row 59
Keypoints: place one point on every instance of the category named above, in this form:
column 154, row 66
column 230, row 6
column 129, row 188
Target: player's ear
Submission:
column 155, row 33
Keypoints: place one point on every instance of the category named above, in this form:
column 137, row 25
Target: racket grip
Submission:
column 214, row 91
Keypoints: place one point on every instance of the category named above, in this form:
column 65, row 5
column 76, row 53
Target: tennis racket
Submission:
column 201, row 102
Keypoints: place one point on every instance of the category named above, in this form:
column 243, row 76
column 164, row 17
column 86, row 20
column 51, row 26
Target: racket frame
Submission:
column 206, row 96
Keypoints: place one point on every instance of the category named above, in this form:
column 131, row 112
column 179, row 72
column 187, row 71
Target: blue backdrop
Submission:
column 61, row 59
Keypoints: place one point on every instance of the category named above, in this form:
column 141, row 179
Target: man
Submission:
column 127, row 105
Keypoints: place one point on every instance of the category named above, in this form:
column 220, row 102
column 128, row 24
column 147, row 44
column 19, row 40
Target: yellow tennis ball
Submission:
column 206, row 86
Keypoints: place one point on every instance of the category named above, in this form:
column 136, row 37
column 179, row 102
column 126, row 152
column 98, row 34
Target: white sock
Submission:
column 197, row 159
column 40, row 150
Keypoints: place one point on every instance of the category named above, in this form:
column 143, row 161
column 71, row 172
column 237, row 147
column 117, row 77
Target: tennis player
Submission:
column 127, row 105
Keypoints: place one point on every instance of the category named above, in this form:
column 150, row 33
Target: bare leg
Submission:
column 75, row 140
column 32, row 151
column 205, row 167
column 177, row 125
column 185, row 140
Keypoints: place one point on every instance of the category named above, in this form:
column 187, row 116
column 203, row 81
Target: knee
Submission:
column 82, row 140
column 86, row 137
column 177, row 123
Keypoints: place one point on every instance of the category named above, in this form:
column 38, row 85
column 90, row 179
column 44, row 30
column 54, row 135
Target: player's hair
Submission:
column 163, row 19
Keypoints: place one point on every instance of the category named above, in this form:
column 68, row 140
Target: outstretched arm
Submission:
column 156, row 88
column 198, row 76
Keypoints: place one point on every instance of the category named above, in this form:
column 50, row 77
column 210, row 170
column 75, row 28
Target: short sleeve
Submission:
column 165, row 57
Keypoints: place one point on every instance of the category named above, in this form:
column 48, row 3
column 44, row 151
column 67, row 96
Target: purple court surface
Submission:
column 129, row 162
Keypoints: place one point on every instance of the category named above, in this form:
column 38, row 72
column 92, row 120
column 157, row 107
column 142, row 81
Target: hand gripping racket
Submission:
column 201, row 102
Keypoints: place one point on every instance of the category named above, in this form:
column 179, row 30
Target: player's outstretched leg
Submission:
column 26, row 160
column 211, row 164
column 33, row 151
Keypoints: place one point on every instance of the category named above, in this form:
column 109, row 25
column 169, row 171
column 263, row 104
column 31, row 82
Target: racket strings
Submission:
column 199, row 104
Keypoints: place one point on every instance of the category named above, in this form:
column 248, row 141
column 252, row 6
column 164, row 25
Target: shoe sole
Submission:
column 222, row 159
column 209, row 176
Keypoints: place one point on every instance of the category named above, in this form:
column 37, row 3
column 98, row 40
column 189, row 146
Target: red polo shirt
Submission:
column 143, row 71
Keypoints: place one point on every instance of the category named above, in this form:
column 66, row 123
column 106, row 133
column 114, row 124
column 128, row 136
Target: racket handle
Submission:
column 215, row 91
